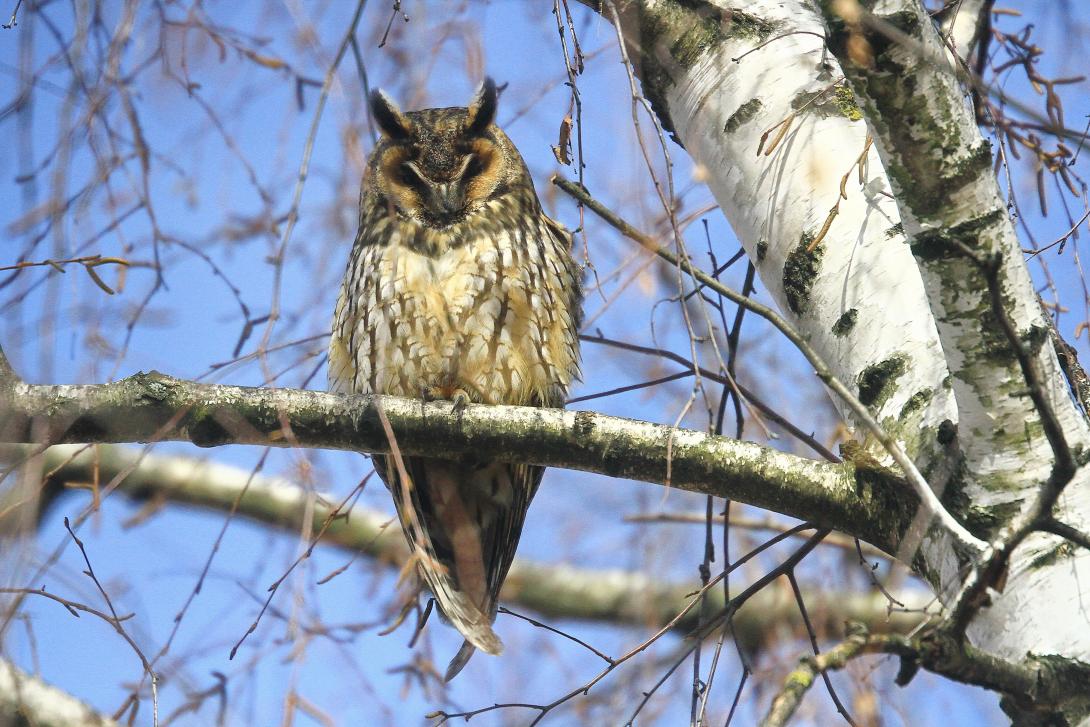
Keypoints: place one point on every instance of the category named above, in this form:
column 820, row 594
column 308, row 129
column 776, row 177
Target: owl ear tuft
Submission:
column 482, row 109
column 390, row 119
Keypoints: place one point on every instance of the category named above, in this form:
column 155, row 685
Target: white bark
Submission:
column 777, row 204
column 25, row 699
column 962, row 24
column 942, row 176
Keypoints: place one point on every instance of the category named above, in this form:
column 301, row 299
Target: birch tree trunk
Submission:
column 897, row 262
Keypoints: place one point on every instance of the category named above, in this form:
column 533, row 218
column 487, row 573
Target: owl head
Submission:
column 437, row 167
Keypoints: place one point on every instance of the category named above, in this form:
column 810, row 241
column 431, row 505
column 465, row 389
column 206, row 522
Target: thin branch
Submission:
column 694, row 638
column 699, row 518
column 751, row 398
column 558, row 632
column 814, row 644
column 1036, row 685
column 970, row 544
column 799, row 681
column 304, row 169
column 14, row 19
column 1064, row 530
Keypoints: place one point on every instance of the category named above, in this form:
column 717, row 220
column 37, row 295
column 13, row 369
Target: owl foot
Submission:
column 460, row 397
column 457, row 395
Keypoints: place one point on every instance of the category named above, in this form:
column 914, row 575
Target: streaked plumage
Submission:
column 458, row 287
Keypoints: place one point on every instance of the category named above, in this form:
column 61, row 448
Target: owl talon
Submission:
column 460, row 397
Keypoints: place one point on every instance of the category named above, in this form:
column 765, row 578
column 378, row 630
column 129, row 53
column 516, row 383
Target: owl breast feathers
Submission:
column 458, row 287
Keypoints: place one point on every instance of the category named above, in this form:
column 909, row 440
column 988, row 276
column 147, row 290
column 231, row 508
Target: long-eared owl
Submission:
column 458, row 287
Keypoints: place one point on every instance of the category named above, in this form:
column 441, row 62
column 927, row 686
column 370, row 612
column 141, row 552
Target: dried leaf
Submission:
column 784, row 127
column 563, row 145
column 1041, row 196
column 824, row 228
column 860, row 51
column 267, row 61
column 108, row 261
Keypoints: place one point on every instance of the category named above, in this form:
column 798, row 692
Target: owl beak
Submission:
column 448, row 201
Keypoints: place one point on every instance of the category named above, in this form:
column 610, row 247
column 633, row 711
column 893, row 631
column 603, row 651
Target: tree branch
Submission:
column 970, row 545
column 800, row 680
column 25, row 699
column 556, row 591
column 152, row 407
column 1037, row 689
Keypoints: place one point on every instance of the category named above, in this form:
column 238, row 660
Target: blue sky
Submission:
column 206, row 187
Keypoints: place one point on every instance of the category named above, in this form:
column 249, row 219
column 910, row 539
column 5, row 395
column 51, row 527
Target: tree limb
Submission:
column 933, row 507
column 151, row 407
column 25, row 699
column 800, row 680
column 1037, row 689
column 556, row 591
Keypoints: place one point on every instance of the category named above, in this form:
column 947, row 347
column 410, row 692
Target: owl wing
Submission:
column 351, row 302
column 342, row 366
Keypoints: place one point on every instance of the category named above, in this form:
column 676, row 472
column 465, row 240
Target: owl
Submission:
column 460, row 288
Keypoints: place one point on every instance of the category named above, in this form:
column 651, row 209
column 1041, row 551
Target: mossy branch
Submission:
column 153, row 407
column 1037, row 690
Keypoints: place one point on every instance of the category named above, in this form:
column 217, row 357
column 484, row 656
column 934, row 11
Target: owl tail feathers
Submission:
column 460, row 660
column 468, row 619
column 472, row 624
column 458, row 608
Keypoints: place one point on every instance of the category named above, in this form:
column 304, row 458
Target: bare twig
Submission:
column 304, row 167
column 750, row 397
column 699, row 518
column 14, row 19
column 699, row 634
column 116, row 622
column 558, row 632
column 814, row 644
column 338, row 512
column 970, row 544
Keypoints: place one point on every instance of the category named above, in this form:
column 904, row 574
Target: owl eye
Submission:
column 474, row 166
column 408, row 174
